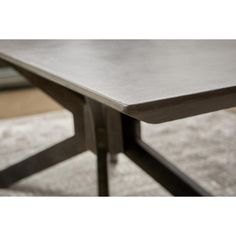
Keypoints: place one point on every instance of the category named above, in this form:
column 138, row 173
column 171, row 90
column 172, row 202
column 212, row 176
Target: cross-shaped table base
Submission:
column 104, row 131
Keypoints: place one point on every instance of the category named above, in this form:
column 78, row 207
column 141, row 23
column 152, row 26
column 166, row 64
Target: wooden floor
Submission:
column 21, row 102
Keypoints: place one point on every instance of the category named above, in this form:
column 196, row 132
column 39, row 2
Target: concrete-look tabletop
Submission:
column 151, row 80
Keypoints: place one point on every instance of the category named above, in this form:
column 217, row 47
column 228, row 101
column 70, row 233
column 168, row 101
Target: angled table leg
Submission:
column 75, row 103
column 59, row 152
column 40, row 161
column 155, row 165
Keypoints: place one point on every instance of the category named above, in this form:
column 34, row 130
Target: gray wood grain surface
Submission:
column 151, row 80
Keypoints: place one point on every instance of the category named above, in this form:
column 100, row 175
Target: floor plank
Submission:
column 23, row 102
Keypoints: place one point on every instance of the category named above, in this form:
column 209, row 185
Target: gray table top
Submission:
column 142, row 78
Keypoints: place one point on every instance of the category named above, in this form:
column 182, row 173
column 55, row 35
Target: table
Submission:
column 110, row 86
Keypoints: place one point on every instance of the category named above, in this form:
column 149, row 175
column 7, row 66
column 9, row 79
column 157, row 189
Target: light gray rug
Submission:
column 202, row 146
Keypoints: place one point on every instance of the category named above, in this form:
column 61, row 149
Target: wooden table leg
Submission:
column 60, row 152
column 99, row 130
column 155, row 165
column 40, row 161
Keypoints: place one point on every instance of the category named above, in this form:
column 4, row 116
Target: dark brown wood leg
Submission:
column 102, row 173
column 155, row 165
column 114, row 130
column 40, row 161
column 59, row 152
column 99, row 130
column 113, row 158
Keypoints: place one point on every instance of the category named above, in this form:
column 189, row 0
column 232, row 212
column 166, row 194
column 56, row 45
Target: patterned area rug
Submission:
column 202, row 146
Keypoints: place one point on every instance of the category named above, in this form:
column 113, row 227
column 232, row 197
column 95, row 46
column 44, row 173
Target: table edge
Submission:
column 153, row 111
